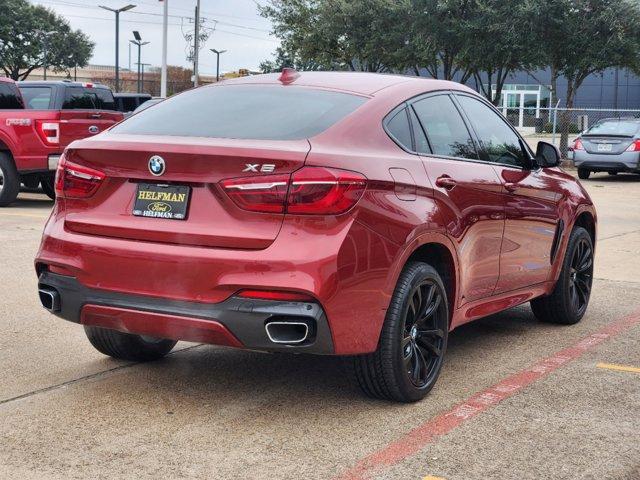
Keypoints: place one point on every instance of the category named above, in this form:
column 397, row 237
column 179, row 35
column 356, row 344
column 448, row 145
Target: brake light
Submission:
column 324, row 191
column 49, row 132
column 308, row 191
column 634, row 147
column 76, row 181
column 258, row 194
column 577, row 145
column 276, row 295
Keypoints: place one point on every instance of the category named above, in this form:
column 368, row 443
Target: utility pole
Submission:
column 117, row 11
column 196, row 45
column 165, row 26
column 218, row 53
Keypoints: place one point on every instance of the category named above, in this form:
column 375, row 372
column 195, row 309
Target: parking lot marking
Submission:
column 431, row 477
column 620, row 368
column 416, row 439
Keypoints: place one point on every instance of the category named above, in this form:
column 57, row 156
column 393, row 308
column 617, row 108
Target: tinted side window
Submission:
column 400, row 129
column 37, row 98
column 105, row 98
column 498, row 140
column 78, row 98
column 9, row 96
column 445, row 129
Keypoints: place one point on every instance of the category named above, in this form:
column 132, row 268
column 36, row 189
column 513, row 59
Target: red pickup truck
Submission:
column 38, row 120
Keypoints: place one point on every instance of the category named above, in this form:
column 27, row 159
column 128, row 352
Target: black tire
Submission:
column 583, row 174
column 47, row 182
column 9, row 180
column 391, row 372
column 574, row 283
column 126, row 346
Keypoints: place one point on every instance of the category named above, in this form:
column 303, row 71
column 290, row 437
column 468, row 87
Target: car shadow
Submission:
column 32, row 201
column 606, row 178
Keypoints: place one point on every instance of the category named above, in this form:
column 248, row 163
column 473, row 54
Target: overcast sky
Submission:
column 239, row 29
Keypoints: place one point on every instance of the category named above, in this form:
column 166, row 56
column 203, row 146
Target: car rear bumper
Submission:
column 624, row 162
column 235, row 322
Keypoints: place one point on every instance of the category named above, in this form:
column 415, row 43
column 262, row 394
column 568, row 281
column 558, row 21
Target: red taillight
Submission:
column 324, row 191
column 309, row 191
column 258, row 194
column 634, row 147
column 577, row 145
column 276, row 295
column 49, row 132
column 76, row 181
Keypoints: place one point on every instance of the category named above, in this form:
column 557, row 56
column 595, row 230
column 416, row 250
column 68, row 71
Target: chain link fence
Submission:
column 560, row 126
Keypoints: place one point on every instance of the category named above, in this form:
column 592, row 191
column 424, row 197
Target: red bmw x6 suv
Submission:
column 350, row 214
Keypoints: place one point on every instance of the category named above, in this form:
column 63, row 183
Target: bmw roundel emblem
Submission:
column 156, row 165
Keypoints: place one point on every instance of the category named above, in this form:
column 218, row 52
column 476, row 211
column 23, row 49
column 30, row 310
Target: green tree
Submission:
column 579, row 38
column 24, row 39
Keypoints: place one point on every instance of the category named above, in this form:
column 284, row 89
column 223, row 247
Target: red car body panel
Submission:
column 497, row 224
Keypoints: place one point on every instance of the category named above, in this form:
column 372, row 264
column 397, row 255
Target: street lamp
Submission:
column 141, row 67
column 218, row 53
column 117, row 11
column 138, row 41
column 45, row 48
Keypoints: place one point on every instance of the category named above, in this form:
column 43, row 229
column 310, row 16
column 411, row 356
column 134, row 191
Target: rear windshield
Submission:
column 82, row 98
column 36, row 98
column 9, row 96
column 625, row 128
column 260, row 112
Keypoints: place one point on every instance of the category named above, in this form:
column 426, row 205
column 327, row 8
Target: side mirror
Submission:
column 547, row 155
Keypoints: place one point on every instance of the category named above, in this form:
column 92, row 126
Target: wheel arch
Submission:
column 438, row 251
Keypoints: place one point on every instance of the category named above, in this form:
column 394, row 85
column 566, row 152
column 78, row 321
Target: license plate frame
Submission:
column 604, row 147
column 156, row 200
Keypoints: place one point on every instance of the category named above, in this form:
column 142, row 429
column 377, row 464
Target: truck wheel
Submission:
column 583, row 174
column 570, row 297
column 47, row 182
column 413, row 340
column 126, row 346
column 9, row 180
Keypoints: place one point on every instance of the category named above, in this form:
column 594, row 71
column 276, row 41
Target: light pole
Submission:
column 138, row 41
column 218, row 53
column 141, row 67
column 117, row 11
column 163, row 73
column 45, row 48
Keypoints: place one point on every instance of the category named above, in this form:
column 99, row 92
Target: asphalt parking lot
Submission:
column 517, row 399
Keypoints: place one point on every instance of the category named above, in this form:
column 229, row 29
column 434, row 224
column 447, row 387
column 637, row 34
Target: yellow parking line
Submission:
column 431, row 477
column 30, row 215
column 620, row 368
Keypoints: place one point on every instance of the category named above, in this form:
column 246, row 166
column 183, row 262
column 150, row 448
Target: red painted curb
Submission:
column 423, row 434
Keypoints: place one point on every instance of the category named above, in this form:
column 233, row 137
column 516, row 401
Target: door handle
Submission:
column 96, row 115
column 510, row 187
column 446, row 182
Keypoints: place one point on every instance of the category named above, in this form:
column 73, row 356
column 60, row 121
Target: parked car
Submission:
column 336, row 213
column 612, row 145
column 148, row 103
column 33, row 138
column 128, row 102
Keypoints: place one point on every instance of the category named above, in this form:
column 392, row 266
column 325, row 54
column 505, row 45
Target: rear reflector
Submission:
column 308, row 191
column 76, row 181
column 276, row 295
column 577, row 145
column 634, row 147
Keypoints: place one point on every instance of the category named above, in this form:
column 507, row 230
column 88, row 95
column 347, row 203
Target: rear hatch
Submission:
column 199, row 164
column 78, row 124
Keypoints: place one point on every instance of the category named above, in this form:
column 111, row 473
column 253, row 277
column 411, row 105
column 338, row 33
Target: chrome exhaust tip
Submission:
column 287, row 332
column 50, row 298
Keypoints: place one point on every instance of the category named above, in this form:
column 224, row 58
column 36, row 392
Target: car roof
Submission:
column 64, row 83
column 7, row 80
column 133, row 95
column 363, row 83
